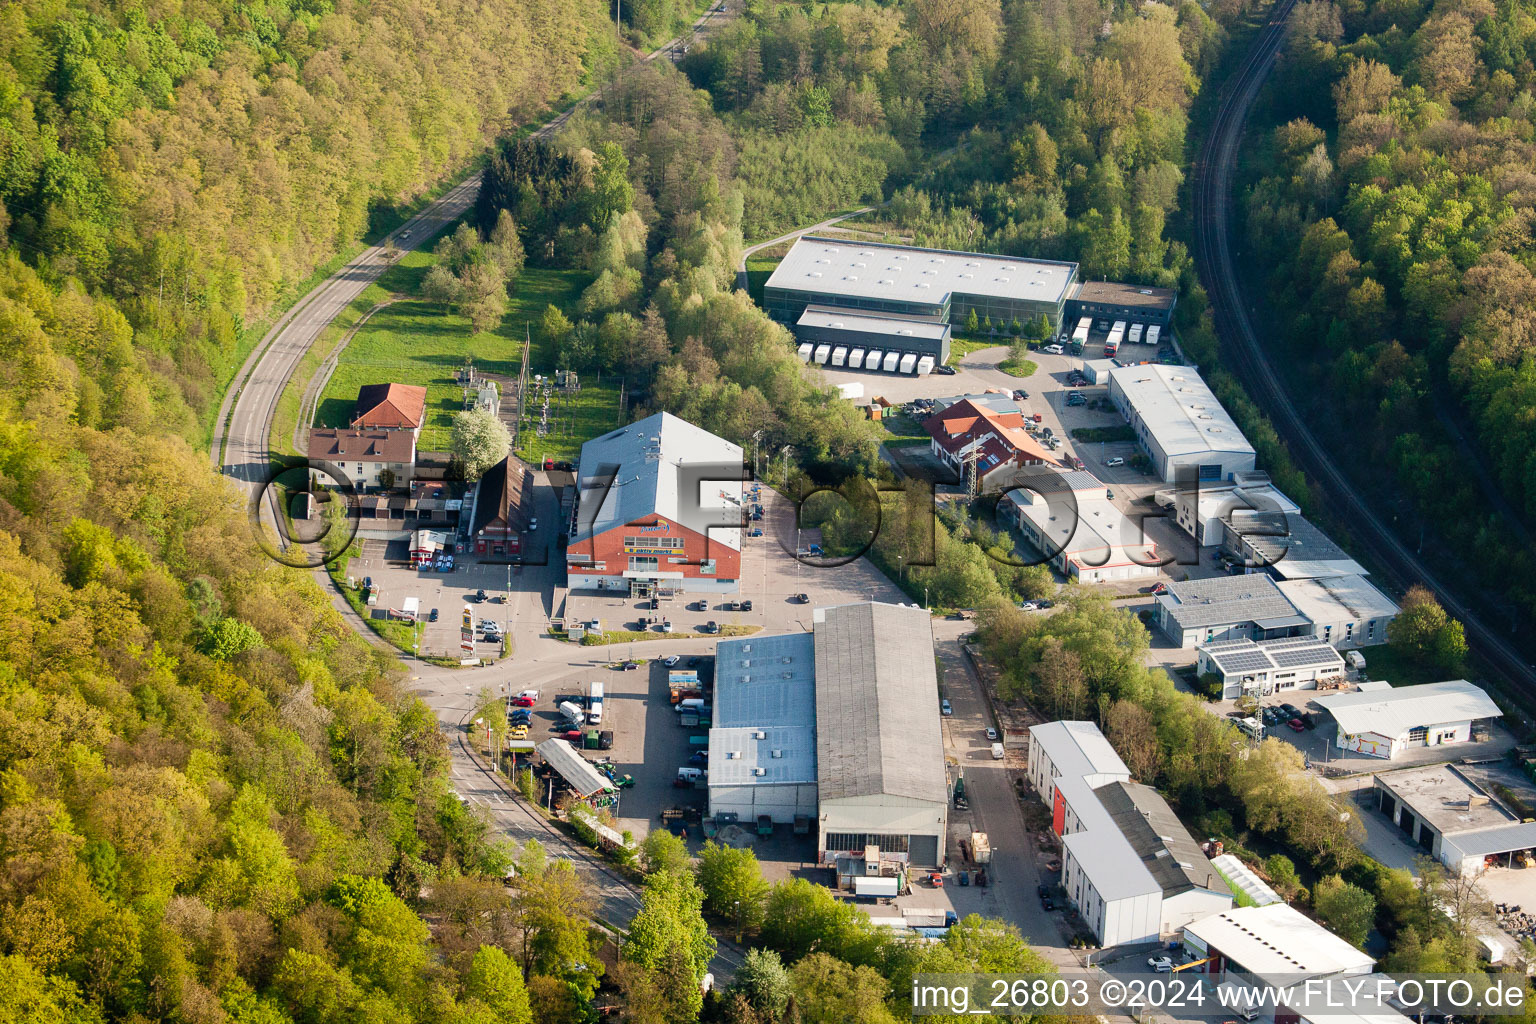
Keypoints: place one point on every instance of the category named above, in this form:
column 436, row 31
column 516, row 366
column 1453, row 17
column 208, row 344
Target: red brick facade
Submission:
column 676, row 549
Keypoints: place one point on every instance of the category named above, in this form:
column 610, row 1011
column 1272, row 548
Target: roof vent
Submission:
column 759, row 772
column 777, row 752
column 746, row 647
column 759, row 735
column 733, row 755
column 814, row 273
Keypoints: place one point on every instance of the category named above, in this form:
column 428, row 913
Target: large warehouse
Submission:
column 1179, row 422
column 1128, row 864
column 1275, row 945
column 1089, row 539
column 1247, row 606
column 892, row 342
column 1444, row 812
column 658, row 511
column 879, row 278
column 841, row 724
column 1384, row 723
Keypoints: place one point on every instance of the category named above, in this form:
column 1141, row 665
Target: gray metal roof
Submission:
column 765, row 701
column 1338, row 599
column 1158, row 838
column 877, row 704
column 659, row 462
column 1293, row 546
column 1223, row 600
column 872, row 270
column 576, row 770
column 930, row 327
column 1077, row 749
column 1504, row 839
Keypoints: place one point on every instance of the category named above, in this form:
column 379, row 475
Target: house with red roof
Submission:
column 998, row 440
column 390, row 407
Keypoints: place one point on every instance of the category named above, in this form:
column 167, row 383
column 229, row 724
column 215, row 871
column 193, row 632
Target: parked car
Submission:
column 432, row 615
column 666, row 625
column 746, row 606
column 1296, row 725
column 1075, row 400
column 523, row 702
column 1045, row 603
column 367, row 582
column 1160, row 964
column 1028, row 606
column 528, row 693
column 802, row 598
column 1019, row 395
column 711, row 626
column 1077, row 463
column 991, row 734
column 945, row 709
column 1159, row 588
column 1042, row 891
column 1046, row 903
column 1116, row 461
column 518, row 732
column 671, row 660
column 631, row 666
column 699, row 757
column 1054, row 349
column 479, row 596
column 948, row 371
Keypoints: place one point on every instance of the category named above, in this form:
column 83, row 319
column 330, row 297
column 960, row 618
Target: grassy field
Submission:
column 416, row 342
column 960, row 347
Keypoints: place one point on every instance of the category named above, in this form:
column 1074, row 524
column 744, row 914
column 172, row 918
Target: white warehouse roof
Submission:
column 1179, row 409
column 1393, row 712
column 576, row 770
column 871, row 270
column 928, row 328
column 1278, row 940
column 1078, row 749
column 1338, row 599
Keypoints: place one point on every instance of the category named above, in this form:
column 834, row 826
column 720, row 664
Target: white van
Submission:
column 573, row 714
column 997, row 751
column 690, row 704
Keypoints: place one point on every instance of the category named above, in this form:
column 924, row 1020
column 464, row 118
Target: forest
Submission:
column 1393, row 195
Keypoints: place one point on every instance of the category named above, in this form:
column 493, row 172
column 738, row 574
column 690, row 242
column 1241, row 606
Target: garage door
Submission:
column 924, row 850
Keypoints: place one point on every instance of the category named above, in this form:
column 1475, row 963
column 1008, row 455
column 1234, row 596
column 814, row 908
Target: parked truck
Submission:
column 981, row 848
column 595, row 704
column 919, row 919
column 684, row 685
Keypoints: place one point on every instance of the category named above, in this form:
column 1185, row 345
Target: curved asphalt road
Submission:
column 240, row 449
column 1212, row 206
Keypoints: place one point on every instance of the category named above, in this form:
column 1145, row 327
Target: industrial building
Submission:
column 1247, row 606
column 658, row 511
column 996, row 442
column 1271, row 945
column 1285, row 544
column 890, row 342
column 840, row 725
column 501, row 512
column 1454, row 819
column 1203, row 508
column 1261, row 668
column 1179, row 422
column 1386, row 722
column 1133, row 303
column 1128, row 864
column 879, row 278
column 1345, row 611
column 1085, row 536
column 762, row 748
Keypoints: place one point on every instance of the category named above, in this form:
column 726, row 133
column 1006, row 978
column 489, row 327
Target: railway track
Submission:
column 1212, row 190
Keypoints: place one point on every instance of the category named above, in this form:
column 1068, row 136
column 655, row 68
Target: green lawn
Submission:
column 1018, row 367
column 1398, row 667
column 416, row 342
column 759, row 270
column 960, row 347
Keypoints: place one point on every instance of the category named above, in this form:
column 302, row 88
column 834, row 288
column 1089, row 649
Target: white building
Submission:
column 1274, row 944
column 1442, row 810
column 1179, row 422
column 880, row 770
column 1345, row 611
column 1384, row 723
column 1128, row 864
column 1084, row 536
column 1286, row 544
column 1260, row 668
column 1071, row 750
column 1201, row 509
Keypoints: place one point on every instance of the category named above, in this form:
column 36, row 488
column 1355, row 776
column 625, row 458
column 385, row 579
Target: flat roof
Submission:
column 1117, row 294
column 1503, row 839
column 1445, row 798
column 1338, row 598
column 1242, row 878
column 1393, row 712
column 998, row 401
column 1179, row 409
column 1276, row 940
column 1078, row 748
column 901, row 273
column 877, row 694
column 896, row 325
column 658, row 460
column 765, row 701
column 1290, row 544
column 1278, row 654
column 1253, row 490
column 1222, row 600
